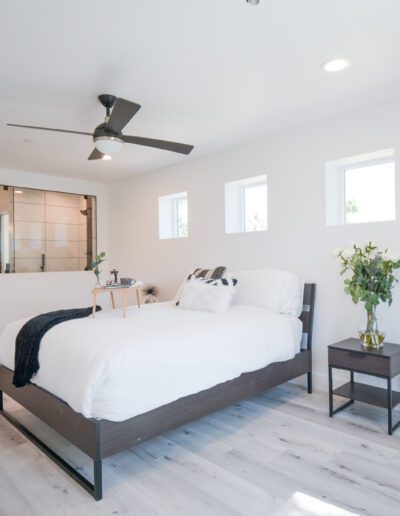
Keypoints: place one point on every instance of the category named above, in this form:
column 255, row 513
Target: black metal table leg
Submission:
column 330, row 392
column 352, row 381
column 390, row 405
column 333, row 411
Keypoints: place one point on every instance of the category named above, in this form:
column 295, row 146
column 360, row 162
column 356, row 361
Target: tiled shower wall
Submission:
column 49, row 230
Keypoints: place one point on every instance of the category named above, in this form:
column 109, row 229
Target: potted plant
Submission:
column 372, row 281
column 94, row 266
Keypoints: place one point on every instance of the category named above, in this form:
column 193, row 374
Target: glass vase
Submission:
column 370, row 334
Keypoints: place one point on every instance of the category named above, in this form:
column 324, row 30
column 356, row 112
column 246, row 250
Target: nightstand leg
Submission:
column 352, row 381
column 330, row 392
column 138, row 297
column 390, row 405
column 124, row 304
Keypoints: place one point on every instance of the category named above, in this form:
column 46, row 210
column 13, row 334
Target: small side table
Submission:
column 123, row 290
column 351, row 356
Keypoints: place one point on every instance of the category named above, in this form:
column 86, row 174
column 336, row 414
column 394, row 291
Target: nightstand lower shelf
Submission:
column 367, row 394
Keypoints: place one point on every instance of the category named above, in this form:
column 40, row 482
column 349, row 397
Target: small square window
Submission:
column 361, row 189
column 369, row 193
column 246, row 205
column 173, row 216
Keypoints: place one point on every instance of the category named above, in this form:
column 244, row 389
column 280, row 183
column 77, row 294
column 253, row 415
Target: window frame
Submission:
column 234, row 206
column 335, row 177
column 168, row 206
column 244, row 189
column 365, row 164
column 176, row 201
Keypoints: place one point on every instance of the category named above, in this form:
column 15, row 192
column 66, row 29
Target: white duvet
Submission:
column 114, row 368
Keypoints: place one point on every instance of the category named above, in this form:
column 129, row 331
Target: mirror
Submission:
column 46, row 231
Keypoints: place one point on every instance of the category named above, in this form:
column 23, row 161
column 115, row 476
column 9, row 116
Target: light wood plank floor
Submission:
column 277, row 454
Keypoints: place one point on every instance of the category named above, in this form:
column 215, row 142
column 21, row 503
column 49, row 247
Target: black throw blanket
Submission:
column 28, row 340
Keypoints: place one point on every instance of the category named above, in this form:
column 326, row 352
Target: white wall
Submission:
column 25, row 294
column 297, row 239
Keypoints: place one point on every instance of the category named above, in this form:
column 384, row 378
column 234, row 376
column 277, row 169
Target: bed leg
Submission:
column 1, row 401
column 309, row 383
column 98, row 479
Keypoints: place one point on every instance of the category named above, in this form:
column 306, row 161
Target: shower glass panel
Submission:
column 47, row 231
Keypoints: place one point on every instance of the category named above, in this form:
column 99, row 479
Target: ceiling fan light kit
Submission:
column 108, row 138
column 108, row 144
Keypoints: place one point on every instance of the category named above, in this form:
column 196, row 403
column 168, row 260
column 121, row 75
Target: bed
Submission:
column 134, row 379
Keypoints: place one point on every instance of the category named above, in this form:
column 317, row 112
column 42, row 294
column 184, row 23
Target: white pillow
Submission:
column 198, row 295
column 278, row 291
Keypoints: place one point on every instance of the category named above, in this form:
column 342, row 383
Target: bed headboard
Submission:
column 307, row 315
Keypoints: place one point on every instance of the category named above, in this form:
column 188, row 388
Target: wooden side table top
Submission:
column 122, row 290
column 351, row 354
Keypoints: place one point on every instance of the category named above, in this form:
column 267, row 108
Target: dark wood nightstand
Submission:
column 351, row 356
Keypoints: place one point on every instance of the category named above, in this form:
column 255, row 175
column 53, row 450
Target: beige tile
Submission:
column 61, row 249
column 29, row 196
column 28, row 265
column 29, row 230
column 61, row 214
column 82, row 246
column 82, row 264
column 28, row 212
column 62, row 199
column 82, row 232
column 61, row 231
column 62, row 264
column 28, row 248
column 94, row 228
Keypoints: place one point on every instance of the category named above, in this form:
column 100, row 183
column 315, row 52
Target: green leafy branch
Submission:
column 97, row 260
column 372, row 274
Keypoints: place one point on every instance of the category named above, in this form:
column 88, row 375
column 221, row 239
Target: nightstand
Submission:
column 351, row 356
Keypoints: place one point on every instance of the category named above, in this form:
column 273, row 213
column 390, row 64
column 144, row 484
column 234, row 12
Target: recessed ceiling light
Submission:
column 106, row 156
column 336, row 65
column 18, row 191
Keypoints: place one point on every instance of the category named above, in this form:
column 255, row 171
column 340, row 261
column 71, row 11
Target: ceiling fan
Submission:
column 108, row 138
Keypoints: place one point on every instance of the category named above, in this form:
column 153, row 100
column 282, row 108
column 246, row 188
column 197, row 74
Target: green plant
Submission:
column 97, row 260
column 372, row 279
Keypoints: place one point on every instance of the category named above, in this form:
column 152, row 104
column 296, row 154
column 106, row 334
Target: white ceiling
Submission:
column 212, row 73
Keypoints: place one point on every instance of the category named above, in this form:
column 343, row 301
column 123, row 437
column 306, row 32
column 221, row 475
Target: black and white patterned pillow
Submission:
column 214, row 276
column 226, row 282
column 216, row 273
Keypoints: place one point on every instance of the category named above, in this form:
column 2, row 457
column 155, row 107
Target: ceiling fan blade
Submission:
column 96, row 154
column 50, row 129
column 182, row 148
column 122, row 112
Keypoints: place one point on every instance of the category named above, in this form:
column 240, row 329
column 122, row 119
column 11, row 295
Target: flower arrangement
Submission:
column 94, row 265
column 372, row 281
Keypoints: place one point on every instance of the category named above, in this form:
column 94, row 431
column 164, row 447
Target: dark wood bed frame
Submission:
column 100, row 439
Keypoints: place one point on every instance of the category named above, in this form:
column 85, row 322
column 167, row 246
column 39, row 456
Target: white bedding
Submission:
column 114, row 368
